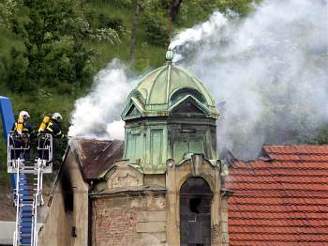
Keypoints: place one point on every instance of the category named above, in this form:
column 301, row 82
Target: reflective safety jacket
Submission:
column 21, row 127
column 53, row 127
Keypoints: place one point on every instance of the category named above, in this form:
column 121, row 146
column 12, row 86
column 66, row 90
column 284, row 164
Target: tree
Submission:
column 54, row 36
column 134, row 29
column 174, row 9
column 7, row 10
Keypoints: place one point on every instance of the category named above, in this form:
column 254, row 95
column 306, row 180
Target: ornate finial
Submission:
column 169, row 55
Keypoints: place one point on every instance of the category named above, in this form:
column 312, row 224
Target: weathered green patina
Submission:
column 169, row 115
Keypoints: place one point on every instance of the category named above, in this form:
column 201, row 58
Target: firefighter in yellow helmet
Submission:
column 22, row 126
column 22, row 131
column 51, row 124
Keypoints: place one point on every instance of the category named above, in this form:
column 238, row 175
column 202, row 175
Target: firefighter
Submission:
column 22, row 132
column 22, row 126
column 51, row 124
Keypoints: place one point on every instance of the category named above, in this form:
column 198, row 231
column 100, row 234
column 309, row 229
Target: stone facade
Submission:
column 133, row 218
column 166, row 191
column 131, row 208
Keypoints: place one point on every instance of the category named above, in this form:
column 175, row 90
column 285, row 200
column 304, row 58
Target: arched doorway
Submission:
column 195, row 213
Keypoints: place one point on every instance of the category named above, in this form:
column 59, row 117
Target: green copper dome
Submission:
column 168, row 116
column 158, row 92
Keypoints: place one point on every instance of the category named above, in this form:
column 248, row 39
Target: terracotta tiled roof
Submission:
column 282, row 199
column 96, row 156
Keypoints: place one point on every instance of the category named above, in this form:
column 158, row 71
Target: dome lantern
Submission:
column 169, row 55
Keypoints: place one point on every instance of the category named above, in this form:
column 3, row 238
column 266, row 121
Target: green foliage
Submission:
column 16, row 72
column 321, row 136
column 155, row 31
column 242, row 7
column 54, row 51
column 155, row 20
column 7, row 10
column 194, row 11
column 113, row 23
column 116, row 4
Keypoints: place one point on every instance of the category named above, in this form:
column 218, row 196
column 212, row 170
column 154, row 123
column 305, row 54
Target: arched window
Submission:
column 137, row 95
column 195, row 212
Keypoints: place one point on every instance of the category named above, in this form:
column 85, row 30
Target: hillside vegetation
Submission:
column 50, row 50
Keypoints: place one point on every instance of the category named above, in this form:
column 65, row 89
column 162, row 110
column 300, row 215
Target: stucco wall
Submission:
column 58, row 226
column 224, row 234
column 129, row 219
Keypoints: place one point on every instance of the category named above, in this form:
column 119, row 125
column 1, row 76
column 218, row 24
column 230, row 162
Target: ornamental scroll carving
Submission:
column 124, row 176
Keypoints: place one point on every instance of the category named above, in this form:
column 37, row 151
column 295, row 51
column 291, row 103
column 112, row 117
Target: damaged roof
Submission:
column 96, row 156
column 280, row 200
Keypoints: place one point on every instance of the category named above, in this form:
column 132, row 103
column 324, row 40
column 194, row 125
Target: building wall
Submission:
column 129, row 219
column 56, row 228
column 130, row 208
column 176, row 175
column 223, row 232
column 138, row 209
column 67, row 219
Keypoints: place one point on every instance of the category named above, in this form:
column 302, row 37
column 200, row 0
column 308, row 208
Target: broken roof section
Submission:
column 281, row 200
column 96, row 156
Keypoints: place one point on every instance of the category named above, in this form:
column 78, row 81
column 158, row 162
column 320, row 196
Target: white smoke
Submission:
column 98, row 114
column 269, row 69
column 199, row 32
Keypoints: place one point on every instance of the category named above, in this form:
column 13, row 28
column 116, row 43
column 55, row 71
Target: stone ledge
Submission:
column 133, row 191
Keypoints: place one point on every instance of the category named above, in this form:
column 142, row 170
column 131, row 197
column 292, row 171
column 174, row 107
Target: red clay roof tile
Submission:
column 282, row 201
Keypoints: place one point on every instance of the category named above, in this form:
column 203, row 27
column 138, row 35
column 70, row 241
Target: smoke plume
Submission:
column 267, row 71
column 98, row 114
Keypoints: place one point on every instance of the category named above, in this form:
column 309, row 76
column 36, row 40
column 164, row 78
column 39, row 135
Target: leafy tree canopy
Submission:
column 7, row 10
column 54, row 53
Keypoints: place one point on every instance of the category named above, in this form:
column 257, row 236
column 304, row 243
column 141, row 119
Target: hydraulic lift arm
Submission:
column 7, row 117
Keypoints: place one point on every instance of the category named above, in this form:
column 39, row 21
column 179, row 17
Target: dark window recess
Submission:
column 195, row 213
column 68, row 195
column 74, row 231
column 188, row 130
column 187, row 107
column 194, row 204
